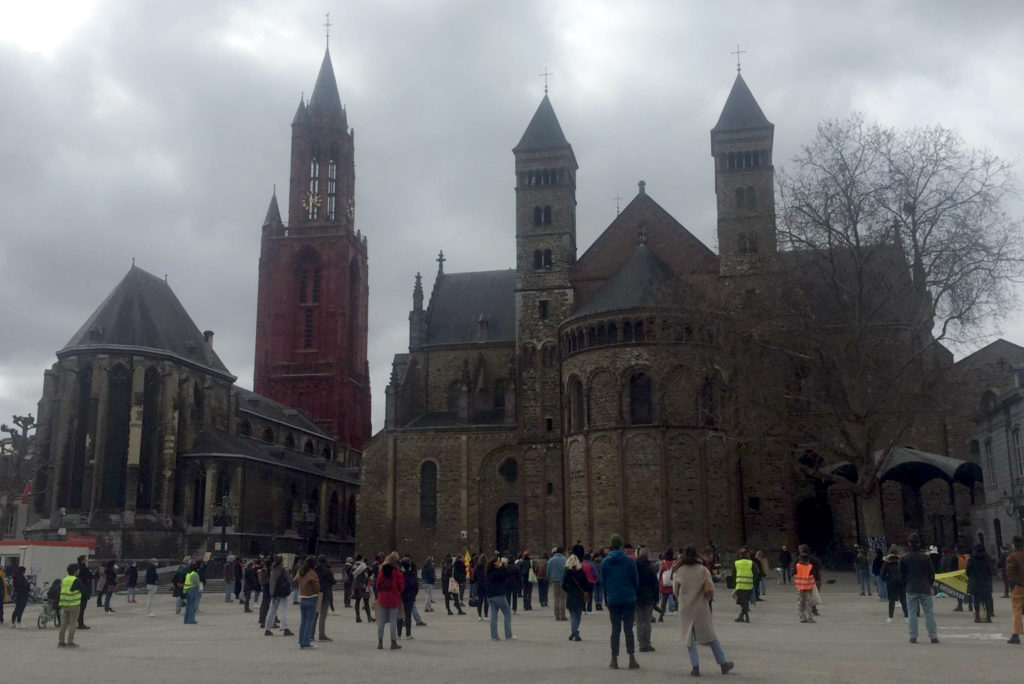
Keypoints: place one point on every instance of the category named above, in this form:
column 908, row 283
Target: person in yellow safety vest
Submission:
column 744, row 575
column 70, row 600
column 190, row 591
column 805, row 586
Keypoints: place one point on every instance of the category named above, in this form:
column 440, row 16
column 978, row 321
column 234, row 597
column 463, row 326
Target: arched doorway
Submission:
column 814, row 525
column 508, row 529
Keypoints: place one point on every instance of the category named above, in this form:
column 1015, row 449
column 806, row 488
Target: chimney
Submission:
column 208, row 336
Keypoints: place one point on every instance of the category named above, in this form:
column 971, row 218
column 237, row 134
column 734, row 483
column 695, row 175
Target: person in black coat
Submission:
column 577, row 589
column 409, row 592
column 85, row 579
column 786, row 563
column 459, row 573
column 979, row 583
column 495, row 580
column 646, row 598
column 22, row 589
column 513, row 583
column 325, row 575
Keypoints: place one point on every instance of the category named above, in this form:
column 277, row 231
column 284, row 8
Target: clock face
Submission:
column 310, row 199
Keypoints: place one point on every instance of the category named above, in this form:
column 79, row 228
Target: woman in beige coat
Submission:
column 689, row 582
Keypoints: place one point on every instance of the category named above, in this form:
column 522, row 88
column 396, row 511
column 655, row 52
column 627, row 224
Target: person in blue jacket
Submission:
column 620, row 579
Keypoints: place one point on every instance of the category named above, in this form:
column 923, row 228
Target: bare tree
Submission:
column 17, row 466
column 892, row 243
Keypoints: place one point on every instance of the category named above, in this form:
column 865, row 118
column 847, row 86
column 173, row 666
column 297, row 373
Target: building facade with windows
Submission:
column 148, row 443
column 999, row 441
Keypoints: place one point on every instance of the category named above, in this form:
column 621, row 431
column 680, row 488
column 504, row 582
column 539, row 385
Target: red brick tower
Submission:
column 311, row 317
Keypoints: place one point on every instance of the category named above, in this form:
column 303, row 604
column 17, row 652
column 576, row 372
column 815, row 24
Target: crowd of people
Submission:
column 635, row 589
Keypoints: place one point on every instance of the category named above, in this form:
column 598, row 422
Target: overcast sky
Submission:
column 156, row 130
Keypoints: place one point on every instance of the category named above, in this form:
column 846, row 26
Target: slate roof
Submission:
column 143, row 313
column 741, row 110
column 325, row 100
column 273, row 213
column 543, row 132
column 301, row 114
column 261, row 406
column 634, row 286
column 220, row 444
column 460, row 299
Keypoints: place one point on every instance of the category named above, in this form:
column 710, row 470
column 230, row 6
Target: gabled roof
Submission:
column 543, row 132
column 635, row 285
column 741, row 110
column 143, row 313
column 325, row 102
column 220, row 444
column 997, row 348
column 259, row 405
column 273, row 213
column 672, row 243
column 459, row 302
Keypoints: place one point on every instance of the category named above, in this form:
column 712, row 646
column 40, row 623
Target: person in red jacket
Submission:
column 390, row 584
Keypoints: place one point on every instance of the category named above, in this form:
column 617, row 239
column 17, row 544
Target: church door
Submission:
column 508, row 528
column 814, row 523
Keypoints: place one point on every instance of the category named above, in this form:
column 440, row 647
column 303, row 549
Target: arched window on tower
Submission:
column 613, row 333
column 751, row 198
column 538, row 259
column 706, row 404
column 289, row 441
column 268, row 435
column 356, row 324
column 245, row 429
column 640, row 399
column 739, row 198
column 732, row 161
column 303, row 284
column 307, row 330
column 547, row 215
column 312, row 208
column 332, row 185
column 538, row 216
column 316, row 285
column 547, row 258
column 428, row 493
column 333, row 514
column 742, row 243
column 579, row 407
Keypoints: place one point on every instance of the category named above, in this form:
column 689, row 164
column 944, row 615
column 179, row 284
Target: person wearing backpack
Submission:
column 668, row 559
column 895, row 588
column 281, row 590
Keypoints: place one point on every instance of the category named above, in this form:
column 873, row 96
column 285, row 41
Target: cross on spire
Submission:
column 738, row 52
column 327, row 28
column 617, row 200
column 440, row 262
column 545, row 75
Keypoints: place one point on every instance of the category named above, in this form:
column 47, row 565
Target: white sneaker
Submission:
column 513, row 637
column 888, row 621
column 479, row 619
column 152, row 615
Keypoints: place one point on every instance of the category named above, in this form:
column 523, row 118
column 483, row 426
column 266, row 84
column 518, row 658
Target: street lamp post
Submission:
column 308, row 523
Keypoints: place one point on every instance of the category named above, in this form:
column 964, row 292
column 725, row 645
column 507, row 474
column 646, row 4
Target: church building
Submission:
column 579, row 395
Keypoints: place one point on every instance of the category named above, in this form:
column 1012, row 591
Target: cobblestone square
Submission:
column 850, row 643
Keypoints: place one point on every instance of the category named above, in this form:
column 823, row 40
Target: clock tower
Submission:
column 311, row 317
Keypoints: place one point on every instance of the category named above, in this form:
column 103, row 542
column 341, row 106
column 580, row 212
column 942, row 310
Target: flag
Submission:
column 467, row 559
column 952, row 583
column 27, row 494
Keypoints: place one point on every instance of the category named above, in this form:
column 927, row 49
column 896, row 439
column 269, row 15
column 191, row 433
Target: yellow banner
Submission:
column 952, row 583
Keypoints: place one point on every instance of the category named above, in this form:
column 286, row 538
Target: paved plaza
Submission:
column 850, row 643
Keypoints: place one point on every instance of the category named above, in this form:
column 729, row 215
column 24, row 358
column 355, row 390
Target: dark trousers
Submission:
column 264, row 607
column 238, row 588
column 19, row 608
column 622, row 620
column 484, row 606
column 348, row 593
column 407, row 606
column 897, row 592
column 365, row 600
column 743, row 599
column 81, row 609
column 527, row 595
column 513, row 599
column 986, row 601
column 542, row 591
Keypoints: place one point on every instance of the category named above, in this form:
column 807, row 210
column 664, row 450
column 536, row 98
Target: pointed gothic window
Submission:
column 538, row 216
column 547, row 258
column 332, row 186
column 547, row 215
column 303, row 285
column 316, row 286
column 706, row 404
column 538, row 259
column 114, row 459
column 313, row 208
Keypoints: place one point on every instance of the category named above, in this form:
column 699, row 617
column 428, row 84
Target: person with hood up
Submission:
column 979, row 583
column 895, row 589
column 620, row 579
column 409, row 592
column 360, row 591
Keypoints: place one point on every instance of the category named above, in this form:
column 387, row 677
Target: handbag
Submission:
column 474, row 601
column 531, row 577
column 453, row 586
column 815, row 597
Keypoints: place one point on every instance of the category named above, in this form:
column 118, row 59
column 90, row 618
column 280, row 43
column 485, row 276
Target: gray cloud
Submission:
column 156, row 131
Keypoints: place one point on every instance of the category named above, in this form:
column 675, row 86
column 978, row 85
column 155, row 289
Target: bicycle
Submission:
column 47, row 615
